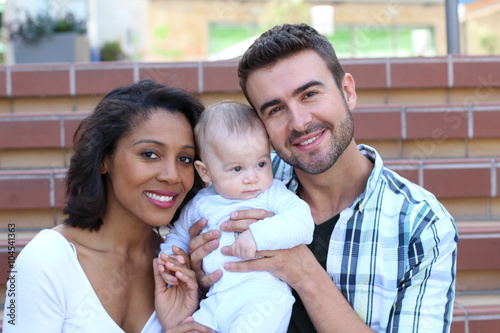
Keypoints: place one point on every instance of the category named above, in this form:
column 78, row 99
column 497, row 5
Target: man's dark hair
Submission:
column 284, row 41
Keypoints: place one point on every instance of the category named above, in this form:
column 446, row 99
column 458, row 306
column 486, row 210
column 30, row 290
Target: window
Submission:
column 228, row 40
column 354, row 41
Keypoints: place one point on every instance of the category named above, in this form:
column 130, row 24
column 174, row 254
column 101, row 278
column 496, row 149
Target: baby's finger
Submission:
column 188, row 277
column 169, row 278
column 208, row 280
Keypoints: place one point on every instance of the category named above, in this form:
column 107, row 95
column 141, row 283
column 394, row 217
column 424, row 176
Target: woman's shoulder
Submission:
column 47, row 245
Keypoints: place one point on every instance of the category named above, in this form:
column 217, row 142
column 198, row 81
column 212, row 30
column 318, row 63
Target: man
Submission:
column 383, row 256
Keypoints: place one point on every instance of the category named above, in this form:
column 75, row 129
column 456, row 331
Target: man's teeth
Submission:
column 156, row 197
column 311, row 140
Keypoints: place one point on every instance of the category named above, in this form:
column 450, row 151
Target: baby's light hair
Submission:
column 224, row 119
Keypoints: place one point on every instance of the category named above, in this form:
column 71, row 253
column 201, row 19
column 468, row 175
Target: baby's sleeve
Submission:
column 178, row 235
column 291, row 225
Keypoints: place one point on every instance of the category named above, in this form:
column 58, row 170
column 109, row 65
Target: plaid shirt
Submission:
column 392, row 253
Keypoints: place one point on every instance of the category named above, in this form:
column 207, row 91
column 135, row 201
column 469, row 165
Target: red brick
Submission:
column 3, row 82
column 419, row 74
column 181, row 75
column 485, row 325
column 408, row 169
column 368, row 76
column 458, row 182
column 24, row 193
column 374, row 125
column 40, row 80
column 457, row 327
column 478, row 254
column 70, row 126
column 486, row 124
column 483, row 75
column 438, row 126
column 220, row 77
column 99, row 79
column 60, row 191
column 30, row 134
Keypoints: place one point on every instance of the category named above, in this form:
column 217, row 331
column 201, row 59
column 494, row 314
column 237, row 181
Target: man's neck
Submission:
column 334, row 190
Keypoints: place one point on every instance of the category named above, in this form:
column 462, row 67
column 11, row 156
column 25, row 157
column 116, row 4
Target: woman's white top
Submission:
column 49, row 292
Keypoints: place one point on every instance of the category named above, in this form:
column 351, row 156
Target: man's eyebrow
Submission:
column 307, row 86
column 268, row 104
column 294, row 93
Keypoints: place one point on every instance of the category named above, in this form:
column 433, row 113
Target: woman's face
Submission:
column 151, row 171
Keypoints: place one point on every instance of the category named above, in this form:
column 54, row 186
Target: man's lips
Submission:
column 308, row 140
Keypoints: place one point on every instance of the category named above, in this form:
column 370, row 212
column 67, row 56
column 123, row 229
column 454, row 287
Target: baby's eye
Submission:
column 236, row 169
column 151, row 155
column 261, row 164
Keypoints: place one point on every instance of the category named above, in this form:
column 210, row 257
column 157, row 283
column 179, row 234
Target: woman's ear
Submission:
column 202, row 171
column 104, row 165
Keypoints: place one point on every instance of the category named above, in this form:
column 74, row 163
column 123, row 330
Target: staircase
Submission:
column 436, row 121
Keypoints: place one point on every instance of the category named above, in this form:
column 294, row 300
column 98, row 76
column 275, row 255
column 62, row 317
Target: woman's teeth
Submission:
column 156, row 197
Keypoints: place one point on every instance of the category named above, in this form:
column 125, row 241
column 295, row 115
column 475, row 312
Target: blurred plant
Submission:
column 33, row 28
column 112, row 51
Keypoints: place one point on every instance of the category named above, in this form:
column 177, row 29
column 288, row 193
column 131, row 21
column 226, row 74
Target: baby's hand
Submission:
column 167, row 274
column 244, row 247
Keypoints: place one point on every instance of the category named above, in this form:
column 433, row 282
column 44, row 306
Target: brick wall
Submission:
column 434, row 120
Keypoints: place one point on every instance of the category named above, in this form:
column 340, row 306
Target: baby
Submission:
column 235, row 161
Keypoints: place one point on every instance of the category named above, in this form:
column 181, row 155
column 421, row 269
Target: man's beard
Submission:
column 316, row 162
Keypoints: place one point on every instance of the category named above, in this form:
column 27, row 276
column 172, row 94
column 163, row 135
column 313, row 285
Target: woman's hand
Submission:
column 188, row 325
column 176, row 303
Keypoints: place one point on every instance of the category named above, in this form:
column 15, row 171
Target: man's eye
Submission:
column 274, row 110
column 310, row 94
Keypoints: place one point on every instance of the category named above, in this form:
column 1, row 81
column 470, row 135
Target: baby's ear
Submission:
column 202, row 171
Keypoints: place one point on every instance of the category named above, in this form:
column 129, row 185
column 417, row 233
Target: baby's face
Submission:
column 240, row 166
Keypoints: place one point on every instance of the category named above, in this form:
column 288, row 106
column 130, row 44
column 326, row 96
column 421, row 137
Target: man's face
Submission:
column 307, row 118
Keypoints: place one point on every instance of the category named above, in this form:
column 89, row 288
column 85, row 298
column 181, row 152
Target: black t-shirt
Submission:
column 300, row 322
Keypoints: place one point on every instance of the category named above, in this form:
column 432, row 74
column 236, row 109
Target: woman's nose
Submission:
column 169, row 173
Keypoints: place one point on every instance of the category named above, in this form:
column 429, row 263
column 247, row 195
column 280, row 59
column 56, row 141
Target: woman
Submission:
column 131, row 170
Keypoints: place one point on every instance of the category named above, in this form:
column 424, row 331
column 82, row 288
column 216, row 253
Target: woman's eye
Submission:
column 186, row 160
column 237, row 169
column 150, row 155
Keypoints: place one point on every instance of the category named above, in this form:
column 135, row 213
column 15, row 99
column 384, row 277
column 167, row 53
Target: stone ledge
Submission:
column 220, row 76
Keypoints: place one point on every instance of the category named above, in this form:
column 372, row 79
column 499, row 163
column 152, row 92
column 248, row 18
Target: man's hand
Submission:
column 241, row 219
column 289, row 265
column 202, row 244
column 199, row 246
